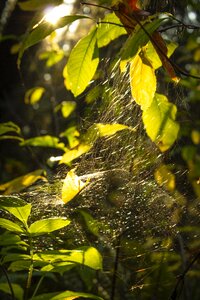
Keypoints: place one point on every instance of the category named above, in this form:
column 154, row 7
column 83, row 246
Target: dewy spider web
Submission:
column 122, row 196
column 122, row 207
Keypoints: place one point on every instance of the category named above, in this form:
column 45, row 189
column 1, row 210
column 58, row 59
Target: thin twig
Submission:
column 176, row 67
column 181, row 277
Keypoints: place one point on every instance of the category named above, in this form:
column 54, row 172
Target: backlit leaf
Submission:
column 32, row 5
column 107, row 31
column 44, row 141
column 11, row 201
column 72, row 186
column 159, row 122
column 9, row 127
column 152, row 55
column 70, row 155
column 72, row 135
column 67, row 295
column 47, row 225
column 138, row 39
column 142, row 80
column 165, row 177
column 22, row 213
column 87, row 256
column 82, row 64
column 98, row 130
column 20, row 183
column 42, row 30
column 11, row 226
column 34, row 95
column 67, row 107
column 19, row 265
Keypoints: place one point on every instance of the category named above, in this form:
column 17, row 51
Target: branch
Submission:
column 176, row 67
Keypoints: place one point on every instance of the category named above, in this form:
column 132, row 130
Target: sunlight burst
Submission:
column 52, row 15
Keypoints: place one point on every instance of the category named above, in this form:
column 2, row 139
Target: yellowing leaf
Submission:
column 195, row 136
column 152, row 55
column 109, row 129
column 82, row 64
column 72, row 186
column 89, row 138
column 101, row 130
column 70, row 155
column 20, row 183
column 67, row 108
column 159, row 122
column 165, row 177
column 143, row 81
column 34, row 95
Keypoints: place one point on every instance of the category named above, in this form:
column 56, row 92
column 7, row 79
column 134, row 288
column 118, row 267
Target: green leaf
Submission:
column 107, row 31
column 20, row 183
column 72, row 135
column 21, row 213
column 87, row 256
column 11, row 201
column 32, row 5
column 138, row 39
column 60, row 268
column 16, row 257
column 82, row 64
column 11, row 137
column 159, row 122
column 52, row 57
column 92, row 225
column 47, row 225
column 8, row 238
column 19, row 265
column 44, row 141
column 67, row 295
column 34, row 95
column 9, row 127
column 11, row 226
column 18, row 291
column 42, row 30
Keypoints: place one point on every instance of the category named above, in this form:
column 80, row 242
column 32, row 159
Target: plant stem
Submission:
column 116, row 263
column 37, row 287
column 30, row 271
column 8, row 280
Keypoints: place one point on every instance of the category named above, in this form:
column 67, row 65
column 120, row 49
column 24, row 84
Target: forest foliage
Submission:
column 139, row 41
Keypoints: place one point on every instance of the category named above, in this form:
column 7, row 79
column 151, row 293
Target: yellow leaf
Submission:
column 72, row 186
column 165, row 177
column 70, row 155
column 20, row 183
column 143, row 81
column 34, row 95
